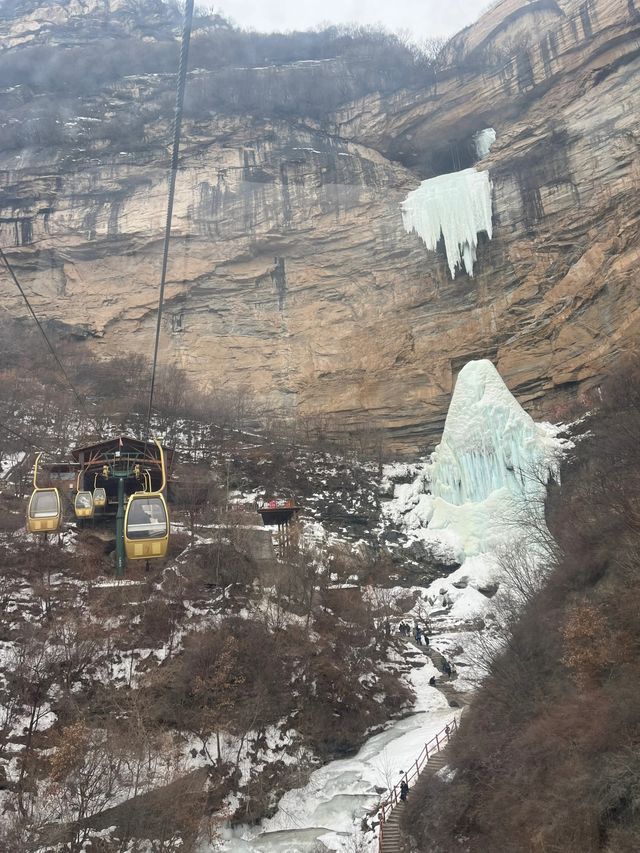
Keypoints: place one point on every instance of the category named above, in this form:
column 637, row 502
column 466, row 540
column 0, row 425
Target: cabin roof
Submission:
column 126, row 444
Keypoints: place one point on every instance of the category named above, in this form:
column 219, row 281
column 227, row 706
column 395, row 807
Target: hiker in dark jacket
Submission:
column 404, row 790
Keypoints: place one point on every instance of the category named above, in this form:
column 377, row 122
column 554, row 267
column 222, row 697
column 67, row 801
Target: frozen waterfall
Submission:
column 480, row 496
column 483, row 140
column 455, row 206
column 489, row 442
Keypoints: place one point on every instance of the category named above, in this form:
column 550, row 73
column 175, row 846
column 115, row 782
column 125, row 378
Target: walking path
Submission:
column 433, row 756
column 390, row 835
column 429, row 761
column 444, row 683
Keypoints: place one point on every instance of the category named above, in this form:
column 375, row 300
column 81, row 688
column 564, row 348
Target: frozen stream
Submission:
column 330, row 807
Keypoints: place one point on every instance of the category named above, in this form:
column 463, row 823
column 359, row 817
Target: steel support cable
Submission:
column 43, row 333
column 177, row 128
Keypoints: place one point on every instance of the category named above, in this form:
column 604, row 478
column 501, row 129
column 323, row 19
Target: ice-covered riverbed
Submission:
column 330, row 807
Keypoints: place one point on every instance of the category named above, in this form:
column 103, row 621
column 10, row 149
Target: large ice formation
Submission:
column 489, row 442
column 478, row 501
column 483, row 140
column 489, row 470
column 456, row 207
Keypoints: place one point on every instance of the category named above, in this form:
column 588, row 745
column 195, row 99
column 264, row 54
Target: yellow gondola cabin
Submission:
column 146, row 526
column 83, row 505
column 44, row 513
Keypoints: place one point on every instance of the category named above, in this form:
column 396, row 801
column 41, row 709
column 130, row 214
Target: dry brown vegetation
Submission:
column 249, row 73
column 125, row 720
column 547, row 758
column 148, row 681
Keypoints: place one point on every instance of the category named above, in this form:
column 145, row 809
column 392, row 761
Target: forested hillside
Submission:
column 390, row 300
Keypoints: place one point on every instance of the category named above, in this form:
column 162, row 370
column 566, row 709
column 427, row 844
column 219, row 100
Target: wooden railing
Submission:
column 438, row 742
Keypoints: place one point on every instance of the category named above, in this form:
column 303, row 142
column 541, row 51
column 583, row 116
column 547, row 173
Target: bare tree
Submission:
column 35, row 670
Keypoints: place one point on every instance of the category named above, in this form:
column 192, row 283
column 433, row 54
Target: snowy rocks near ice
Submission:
column 456, row 207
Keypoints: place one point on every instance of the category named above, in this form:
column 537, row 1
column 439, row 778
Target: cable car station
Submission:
column 122, row 479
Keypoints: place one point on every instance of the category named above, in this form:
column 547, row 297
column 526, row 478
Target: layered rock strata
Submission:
column 290, row 271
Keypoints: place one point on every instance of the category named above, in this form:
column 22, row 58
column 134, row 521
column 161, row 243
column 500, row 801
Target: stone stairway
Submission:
column 416, row 656
column 391, row 834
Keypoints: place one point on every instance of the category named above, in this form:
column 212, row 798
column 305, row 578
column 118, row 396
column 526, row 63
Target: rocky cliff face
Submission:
column 290, row 270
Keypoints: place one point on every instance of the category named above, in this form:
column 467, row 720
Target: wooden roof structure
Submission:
column 122, row 446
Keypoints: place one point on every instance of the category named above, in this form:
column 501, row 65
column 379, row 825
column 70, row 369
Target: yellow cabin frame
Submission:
column 49, row 518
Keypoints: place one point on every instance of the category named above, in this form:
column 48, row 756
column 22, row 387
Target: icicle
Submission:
column 455, row 206
column 483, row 140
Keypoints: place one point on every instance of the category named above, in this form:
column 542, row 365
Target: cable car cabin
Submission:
column 83, row 505
column 44, row 513
column 146, row 527
column 99, row 497
column 59, row 475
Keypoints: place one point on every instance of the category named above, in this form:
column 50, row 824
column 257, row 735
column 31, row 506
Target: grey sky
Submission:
column 422, row 18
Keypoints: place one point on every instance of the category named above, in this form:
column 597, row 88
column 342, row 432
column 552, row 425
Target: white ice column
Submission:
column 489, row 442
column 455, row 206
column 483, row 140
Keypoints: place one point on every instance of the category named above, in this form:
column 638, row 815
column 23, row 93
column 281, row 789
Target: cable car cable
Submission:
column 10, row 269
column 177, row 128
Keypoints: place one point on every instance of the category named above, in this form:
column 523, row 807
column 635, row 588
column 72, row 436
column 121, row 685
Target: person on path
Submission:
column 432, row 681
column 418, row 635
column 404, row 790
